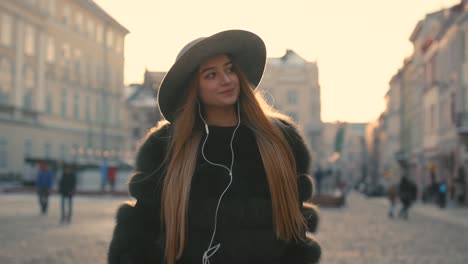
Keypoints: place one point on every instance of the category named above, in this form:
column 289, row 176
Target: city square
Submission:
column 359, row 232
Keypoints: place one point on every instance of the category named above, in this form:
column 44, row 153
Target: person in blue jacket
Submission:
column 45, row 179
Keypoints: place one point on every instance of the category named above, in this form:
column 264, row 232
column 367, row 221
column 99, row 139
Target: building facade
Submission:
column 141, row 102
column 61, row 83
column 390, row 168
column 291, row 85
column 433, row 104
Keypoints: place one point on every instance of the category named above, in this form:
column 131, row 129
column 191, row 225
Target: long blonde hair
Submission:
column 277, row 157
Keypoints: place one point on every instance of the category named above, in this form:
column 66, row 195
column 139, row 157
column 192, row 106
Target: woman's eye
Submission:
column 210, row 75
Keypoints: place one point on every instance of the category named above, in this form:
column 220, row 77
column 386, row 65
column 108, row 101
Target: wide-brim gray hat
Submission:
column 248, row 51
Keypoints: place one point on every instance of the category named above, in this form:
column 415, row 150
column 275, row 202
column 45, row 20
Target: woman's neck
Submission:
column 221, row 116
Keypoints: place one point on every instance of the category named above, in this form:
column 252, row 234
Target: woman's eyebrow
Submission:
column 212, row 67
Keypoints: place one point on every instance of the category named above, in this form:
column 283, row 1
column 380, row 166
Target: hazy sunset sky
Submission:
column 358, row 45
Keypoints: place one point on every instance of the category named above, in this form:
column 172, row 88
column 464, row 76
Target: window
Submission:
column 63, row 152
column 29, row 40
column 32, row 2
column 292, row 97
column 90, row 74
column 52, row 8
column 6, row 25
column 118, row 44
column 49, row 103
column 29, row 82
column 136, row 117
column 98, row 110
column 433, row 72
column 462, row 46
column 90, row 29
column 50, row 75
column 74, row 150
column 50, row 50
column 27, row 99
column 110, row 78
column 63, row 107
column 106, row 110
column 79, row 21
column 84, row 73
column 6, row 80
column 3, row 153
column 136, row 132
column 76, row 107
column 99, row 32
column 66, row 51
column 99, row 76
column 66, row 14
column 29, row 78
column 66, row 61
column 87, row 108
column 47, row 150
column 78, row 71
column 443, row 113
column 453, row 111
column 109, row 38
column 117, row 115
column 28, row 148
column 432, row 118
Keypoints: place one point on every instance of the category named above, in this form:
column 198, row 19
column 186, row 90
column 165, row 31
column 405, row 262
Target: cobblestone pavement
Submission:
column 361, row 232
column 28, row 237
column 357, row 233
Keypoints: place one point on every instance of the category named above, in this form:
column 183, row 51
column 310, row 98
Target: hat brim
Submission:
column 248, row 51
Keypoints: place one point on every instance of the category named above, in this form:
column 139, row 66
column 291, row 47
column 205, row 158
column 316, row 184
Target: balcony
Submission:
column 6, row 111
column 462, row 124
column 9, row 112
column 462, row 127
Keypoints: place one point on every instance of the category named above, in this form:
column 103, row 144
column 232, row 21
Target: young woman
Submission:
column 224, row 178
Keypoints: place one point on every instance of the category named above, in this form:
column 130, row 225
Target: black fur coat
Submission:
column 245, row 228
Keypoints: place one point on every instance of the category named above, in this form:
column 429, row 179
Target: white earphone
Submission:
column 212, row 249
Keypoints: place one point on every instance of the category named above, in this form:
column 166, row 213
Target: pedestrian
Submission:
column 44, row 182
column 111, row 177
column 104, row 176
column 318, row 176
column 392, row 195
column 442, row 194
column 222, row 179
column 407, row 191
column 67, row 189
column 460, row 187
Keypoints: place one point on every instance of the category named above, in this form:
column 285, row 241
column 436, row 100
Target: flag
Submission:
column 339, row 138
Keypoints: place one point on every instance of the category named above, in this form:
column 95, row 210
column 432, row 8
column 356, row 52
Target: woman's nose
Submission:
column 226, row 78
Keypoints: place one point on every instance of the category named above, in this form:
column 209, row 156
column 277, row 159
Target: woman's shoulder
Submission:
column 159, row 132
column 149, row 162
column 154, row 144
column 294, row 136
column 290, row 129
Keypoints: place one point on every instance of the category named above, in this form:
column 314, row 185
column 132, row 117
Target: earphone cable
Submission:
column 212, row 249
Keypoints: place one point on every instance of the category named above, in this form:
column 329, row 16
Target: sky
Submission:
column 358, row 45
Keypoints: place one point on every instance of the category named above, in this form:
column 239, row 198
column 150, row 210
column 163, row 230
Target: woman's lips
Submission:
column 228, row 91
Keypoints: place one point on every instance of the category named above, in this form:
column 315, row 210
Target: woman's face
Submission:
column 218, row 83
